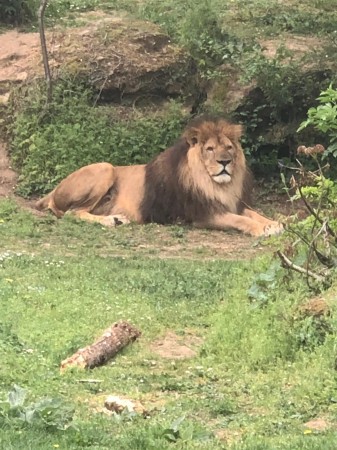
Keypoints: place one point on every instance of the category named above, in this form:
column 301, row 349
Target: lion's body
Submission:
column 202, row 180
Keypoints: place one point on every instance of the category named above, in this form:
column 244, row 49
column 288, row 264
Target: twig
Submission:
column 107, row 77
column 91, row 381
column 40, row 15
column 287, row 263
column 316, row 216
column 309, row 244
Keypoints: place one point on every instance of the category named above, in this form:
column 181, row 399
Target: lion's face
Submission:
column 218, row 147
column 218, row 156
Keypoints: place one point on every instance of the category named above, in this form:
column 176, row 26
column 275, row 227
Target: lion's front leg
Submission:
column 270, row 226
column 242, row 223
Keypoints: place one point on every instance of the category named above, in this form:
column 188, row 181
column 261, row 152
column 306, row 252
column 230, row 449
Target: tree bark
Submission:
column 40, row 15
column 111, row 342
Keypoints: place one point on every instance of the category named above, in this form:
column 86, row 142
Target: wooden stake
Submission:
column 40, row 15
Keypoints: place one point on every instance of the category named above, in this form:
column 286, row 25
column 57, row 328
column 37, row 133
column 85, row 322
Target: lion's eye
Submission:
column 209, row 149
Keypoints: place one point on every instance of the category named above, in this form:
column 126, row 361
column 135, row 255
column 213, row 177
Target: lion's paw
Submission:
column 115, row 220
column 273, row 228
column 120, row 219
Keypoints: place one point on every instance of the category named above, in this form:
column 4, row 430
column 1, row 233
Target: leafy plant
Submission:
column 264, row 284
column 188, row 433
column 318, row 232
column 52, row 413
column 324, row 118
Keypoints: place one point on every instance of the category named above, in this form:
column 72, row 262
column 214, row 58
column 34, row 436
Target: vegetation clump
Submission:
column 48, row 145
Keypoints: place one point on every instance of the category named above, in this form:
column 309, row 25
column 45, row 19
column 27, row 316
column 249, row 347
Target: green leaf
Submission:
column 16, row 396
column 176, row 424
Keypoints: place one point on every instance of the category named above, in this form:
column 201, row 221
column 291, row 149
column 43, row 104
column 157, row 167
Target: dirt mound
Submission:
column 119, row 56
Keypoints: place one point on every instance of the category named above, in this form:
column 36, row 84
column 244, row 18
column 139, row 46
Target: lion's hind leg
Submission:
column 80, row 193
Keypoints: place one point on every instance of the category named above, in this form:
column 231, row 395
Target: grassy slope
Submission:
column 252, row 382
column 247, row 18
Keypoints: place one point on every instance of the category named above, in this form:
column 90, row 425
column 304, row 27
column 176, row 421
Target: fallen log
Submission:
column 116, row 337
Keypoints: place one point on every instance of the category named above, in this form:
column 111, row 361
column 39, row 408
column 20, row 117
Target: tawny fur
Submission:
column 202, row 180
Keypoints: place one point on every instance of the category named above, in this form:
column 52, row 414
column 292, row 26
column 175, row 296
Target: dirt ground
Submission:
column 17, row 51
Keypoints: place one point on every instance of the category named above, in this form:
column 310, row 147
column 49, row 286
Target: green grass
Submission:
column 252, row 385
column 266, row 18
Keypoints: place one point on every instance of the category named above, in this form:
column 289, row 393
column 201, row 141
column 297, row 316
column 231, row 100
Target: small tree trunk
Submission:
column 111, row 342
column 40, row 15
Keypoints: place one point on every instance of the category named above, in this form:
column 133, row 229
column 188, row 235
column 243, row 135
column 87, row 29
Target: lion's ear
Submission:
column 192, row 136
column 232, row 131
column 235, row 132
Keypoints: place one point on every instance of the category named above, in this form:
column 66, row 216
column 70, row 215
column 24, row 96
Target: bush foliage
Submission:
column 49, row 144
column 17, row 12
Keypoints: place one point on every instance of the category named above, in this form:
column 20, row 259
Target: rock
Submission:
column 118, row 405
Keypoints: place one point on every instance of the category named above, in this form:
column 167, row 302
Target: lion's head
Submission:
column 204, row 173
column 216, row 144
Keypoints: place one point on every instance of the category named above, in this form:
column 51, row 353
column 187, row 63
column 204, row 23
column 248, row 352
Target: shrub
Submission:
column 324, row 118
column 313, row 242
column 17, row 12
column 48, row 145
column 274, row 108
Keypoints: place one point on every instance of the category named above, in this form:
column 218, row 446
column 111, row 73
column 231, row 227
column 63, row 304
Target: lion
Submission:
column 202, row 180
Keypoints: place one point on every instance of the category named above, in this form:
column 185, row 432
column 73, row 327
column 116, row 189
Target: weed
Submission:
column 265, row 284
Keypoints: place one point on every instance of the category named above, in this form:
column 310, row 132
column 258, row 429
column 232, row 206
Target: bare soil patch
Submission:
column 18, row 51
column 204, row 244
column 317, row 424
column 299, row 45
column 172, row 346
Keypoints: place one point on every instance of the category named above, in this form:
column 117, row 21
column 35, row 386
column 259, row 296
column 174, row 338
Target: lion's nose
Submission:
column 224, row 162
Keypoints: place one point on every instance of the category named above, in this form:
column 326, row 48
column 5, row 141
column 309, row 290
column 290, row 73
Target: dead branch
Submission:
column 40, row 15
column 307, row 243
column 287, row 263
column 116, row 337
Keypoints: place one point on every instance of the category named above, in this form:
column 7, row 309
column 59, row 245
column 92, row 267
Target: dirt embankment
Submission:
column 7, row 175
